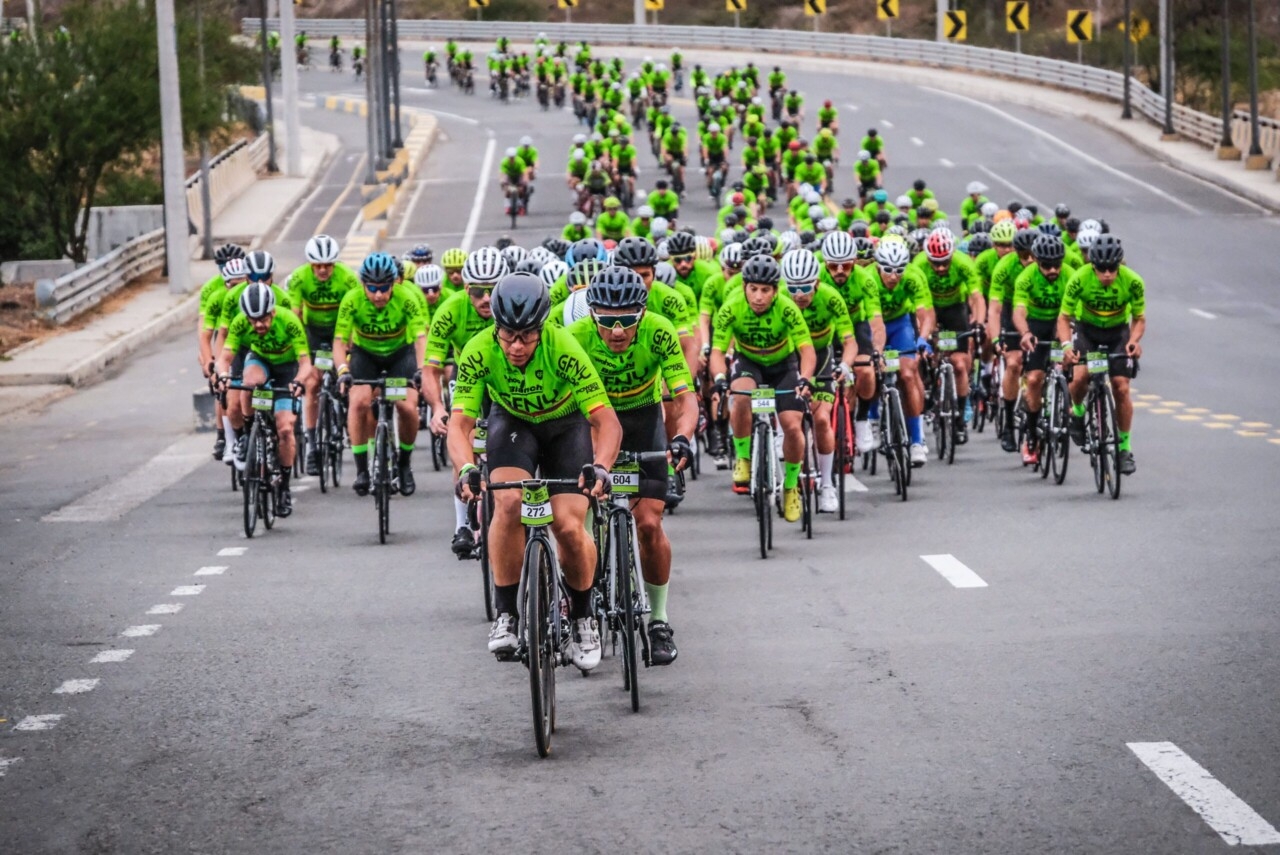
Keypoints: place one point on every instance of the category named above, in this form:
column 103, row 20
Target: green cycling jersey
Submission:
column 455, row 323
column 229, row 309
column 284, row 341
column 861, row 296
column 827, row 317
column 320, row 300
column 381, row 331
column 952, row 287
column 631, row 377
column 766, row 338
column 1089, row 301
column 1040, row 296
column 911, row 293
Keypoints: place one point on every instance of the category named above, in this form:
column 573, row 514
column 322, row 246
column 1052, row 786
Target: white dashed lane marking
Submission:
column 39, row 722
column 948, row 164
column 186, row 591
column 6, row 762
column 1201, row 313
column 211, row 571
column 232, row 551
column 165, row 609
column 141, row 631
column 111, row 656
column 77, row 687
column 954, row 571
column 1224, row 811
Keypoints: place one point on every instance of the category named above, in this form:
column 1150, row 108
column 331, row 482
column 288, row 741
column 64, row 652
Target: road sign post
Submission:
column 1017, row 19
column 887, row 10
column 736, row 7
column 957, row 26
column 1079, row 30
column 815, row 9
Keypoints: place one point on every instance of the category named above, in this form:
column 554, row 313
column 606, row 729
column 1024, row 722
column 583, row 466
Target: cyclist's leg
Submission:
column 747, row 375
column 360, row 417
column 508, row 461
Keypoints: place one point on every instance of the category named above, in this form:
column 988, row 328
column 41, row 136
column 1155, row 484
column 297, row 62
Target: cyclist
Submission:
column 773, row 349
column 452, row 262
column 529, row 154
column 956, row 294
column 793, row 106
column 1037, row 300
column 827, row 317
column 613, row 224
column 1000, row 327
column 867, row 171
column 714, row 146
column 841, row 271
column 381, row 328
column 908, row 323
column 515, row 172
column 460, row 319
column 211, row 294
column 636, row 353
column 664, row 202
column 1107, row 301
column 429, row 64
column 642, row 225
column 576, row 229
column 277, row 354
column 548, row 405
column 429, row 278
column 828, row 119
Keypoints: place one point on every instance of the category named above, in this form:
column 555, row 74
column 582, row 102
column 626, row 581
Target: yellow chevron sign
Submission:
column 886, row 9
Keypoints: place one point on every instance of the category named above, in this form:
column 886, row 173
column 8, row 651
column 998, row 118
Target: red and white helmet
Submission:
column 940, row 244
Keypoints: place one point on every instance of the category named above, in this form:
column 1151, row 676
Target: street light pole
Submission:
column 289, row 89
column 206, row 199
column 1227, row 147
column 384, row 108
column 1127, row 112
column 176, row 222
column 1256, row 159
column 1166, row 68
column 395, row 71
column 266, row 86
column 371, row 130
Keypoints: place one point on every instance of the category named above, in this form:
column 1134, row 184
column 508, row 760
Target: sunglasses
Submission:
column 623, row 322
column 683, row 259
column 801, row 287
column 840, row 266
column 431, row 289
column 526, row 337
column 1106, row 268
column 479, row 291
column 259, row 277
column 378, row 289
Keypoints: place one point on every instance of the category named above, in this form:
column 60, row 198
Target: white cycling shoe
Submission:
column 828, row 500
column 864, row 437
column 584, row 645
column 502, row 637
column 919, row 455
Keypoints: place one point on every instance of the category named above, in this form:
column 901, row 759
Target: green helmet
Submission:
column 457, row 257
column 1003, row 232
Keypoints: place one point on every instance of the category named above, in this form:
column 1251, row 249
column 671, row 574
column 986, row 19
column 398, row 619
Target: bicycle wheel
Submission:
column 761, row 485
column 382, row 480
column 809, row 478
column 322, row 441
column 486, row 571
column 1060, row 419
column 252, row 481
column 540, row 640
column 843, row 459
column 624, row 573
column 1111, row 444
column 1093, row 439
column 899, row 443
column 336, row 434
column 949, row 406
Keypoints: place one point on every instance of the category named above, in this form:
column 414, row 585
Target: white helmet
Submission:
column 648, row 60
column 526, row 140
column 864, row 155
column 839, row 247
column 542, row 35
column 579, row 154
column 816, row 212
column 664, row 272
column 577, row 218
column 788, row 240
column 541, row 254
column 975, row 187
column 713, row 128
column 235, row 269
column 579, row 139
column 663, row 252
column 989, row 209
column 892, row 255
column 322, row 249
column 658, row 228
column 903, row 202
column 800, row 267
column 429, row 276
column 644, row 212
column 757, row 100
column 1091, row 225
column 731, row 255
column 511, row 152
column 576, row 308
column 726, row 237
column 1085, row 239
column 514, row 254
column 828, row 224
column 257, row 300
column 662, row 66
column 552, row 271
column 484, row 266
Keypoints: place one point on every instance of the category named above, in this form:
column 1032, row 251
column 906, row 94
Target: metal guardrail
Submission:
column 230, row 172
column 61, row 299
column 1191, row 124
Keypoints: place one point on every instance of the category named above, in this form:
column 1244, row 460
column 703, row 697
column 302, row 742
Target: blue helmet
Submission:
column 584, row 249
column 379, row 268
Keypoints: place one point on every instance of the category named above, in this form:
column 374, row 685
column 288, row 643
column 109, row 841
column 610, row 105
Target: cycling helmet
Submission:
column 839, row 247
column 816, row 212
column 859, row 228
column 577, row 218
column 1106, row 251
column 658, row 228
column 1023, row 240
column 379, row 269
column 916, row 239
column 789, row 240
column 582, row 274
column 880, row 196
column 681, row 243
column 485, row 266
column 428, row 276
column 1061, row 211
column 892, row 256
column 977, row 226
column 827, row 224
column 731, row 255
column 235, row 269
column 897, row 230
column 1048, row 248
column 864, row 155
column 974, row 188
column 226, row 252
column 1091, row 226
column 639, row 252
column 260, row 263
column 979, row 242
column 865, row 246
column 989, row 209
column 1085, row 240
column 765, row 223
column 755, row 246
column 453, row 257
column 400, row 270
column 1024, row 214
column 541, row 255
column 257, row 301
column 557, row 246
column 552, row 271
column 529, row 265
column 644, row 212
column 1014, row 206
column 664, row 273
column 1050, row 228
column 617, row 288
column 510, row 152
column 1071, row 225
column 421, row 254
column 809, row 240
column 1003, row 232
column 761, row 270
column 514, row 254
column 799, row 267
column 939, row 245
column 586, row 248
column 520, row 302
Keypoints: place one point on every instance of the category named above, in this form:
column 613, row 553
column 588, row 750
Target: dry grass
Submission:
column 19, row 324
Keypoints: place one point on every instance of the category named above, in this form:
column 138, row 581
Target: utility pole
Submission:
column 1166, row 69
column 272, row 166
column 206, row 199
column 1227, row 147
column 289, row 76
column 384, row 108
column 1256, row 159
column 371, row 132
column 177, row 254
column 637, row 12
column 1127, row 112
column 395, row 72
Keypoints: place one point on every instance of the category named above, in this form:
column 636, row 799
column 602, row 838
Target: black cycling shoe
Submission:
column 662, row 650
column 219, row 447
column 284, row 503
column 313, row 461
column 1076, row 430
column 407, row 485
column 1008, row 441
column 674, row 495
column 361, row 483
column 1124, row 460
column 464, row 542
column 962, row 432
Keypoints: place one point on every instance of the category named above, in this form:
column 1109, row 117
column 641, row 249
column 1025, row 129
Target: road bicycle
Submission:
column 766, row 475
column 895, row 442
column 1055, row 444
column 1102, row 436
column 384, row 477
column 263, row 475
column 945, row 414
column 479, row 513
column 331, row 422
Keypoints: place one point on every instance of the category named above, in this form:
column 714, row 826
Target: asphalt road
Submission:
column 324, row 693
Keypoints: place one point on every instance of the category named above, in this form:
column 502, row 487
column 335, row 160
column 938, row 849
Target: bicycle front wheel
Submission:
column 486, row 570
column 761, row 484
column 382, row 480
column 949, row 416
column 1111, row 444
column 541, row 643
column 624, row 575
column 843, row 458
column 252, row 481
column 324, row 431
column 809, row 478
column 1060, row 418
column 899, row 445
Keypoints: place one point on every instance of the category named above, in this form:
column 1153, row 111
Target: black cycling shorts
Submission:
column 1045, row 333
column 862, row 335
column 558, row 448
column 644, row 430
column 783, row 375
column 824, row 391
column 319, row 338
column 1009, row 334
column 954, row 319
column 629, row 169
column 369, row 366
column 1111, row 339
column 714, row 159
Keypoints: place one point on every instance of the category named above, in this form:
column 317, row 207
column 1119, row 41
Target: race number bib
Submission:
column 397, row 389
column 1098, row 362
column 324, row 360
column 263, row 399
column 625, row 478
column 535, row 505
column 763, row 401
column 892, row 362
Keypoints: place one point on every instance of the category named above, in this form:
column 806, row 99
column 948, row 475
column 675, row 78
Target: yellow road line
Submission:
column 1251, row 433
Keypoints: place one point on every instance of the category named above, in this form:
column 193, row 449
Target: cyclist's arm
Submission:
column 606, row 436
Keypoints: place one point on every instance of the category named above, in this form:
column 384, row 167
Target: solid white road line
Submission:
column 478, row 203
column 123, row 494
column 110, row 656
column 6, row 762
column 186, row 591
column 1201, row 313
column 954, row 572
column 467, row 119
column 1022, row 194
column 141, row 630
column 1224, row 811
column 232, row 551
column 39, row 722
column 211, row 571
column 1223, row 190
column 1087, row 158
column 165, row 609
column 948, row 164
column 413, row 203
column 77, row 687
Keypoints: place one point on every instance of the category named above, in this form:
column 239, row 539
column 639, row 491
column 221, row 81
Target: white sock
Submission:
column 460, row 514
column 226, row 426
column 825, row 464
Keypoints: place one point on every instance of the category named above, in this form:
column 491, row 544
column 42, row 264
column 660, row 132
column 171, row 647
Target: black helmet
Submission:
column 1014, row 207
column 1062, row 211
column 859, row 228
column 556, row 246
column 980, row 227
column 761, row 270
column 756, row 246
column 1106, row 251
column 765, row 224
column 1025, row 239
column 810, row 157
column 226, row 252
column 504, row 242
column 617, row 288
column 919, row 185
column 680, row 243
column 529, row 265
column 637, row 252
column 863, row 246
column 584, row 249
column 1049, row 227
column 741, row 236
column 1072, row 225
column 883, row 216
column 1048, row 248
column 979, row 242
column 741, row 213
column 730, row 220
column 520, row 302
column 1034, row 209
column 808, row 239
